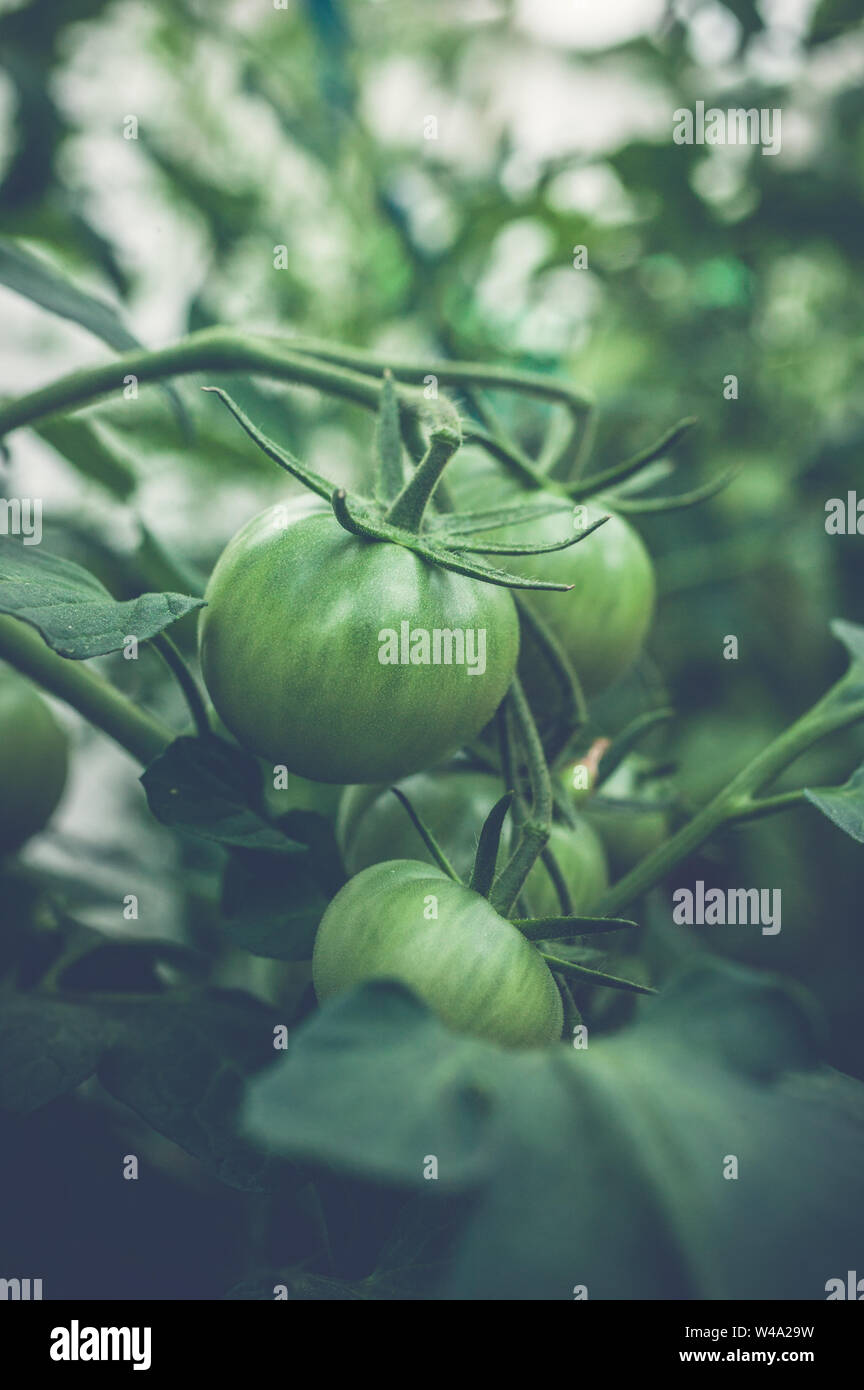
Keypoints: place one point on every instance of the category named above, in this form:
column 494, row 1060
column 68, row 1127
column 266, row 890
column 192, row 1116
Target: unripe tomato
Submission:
column 602, row 622
column 408, row 921
column 453, row 803
column 290, row 644
column 34, row 757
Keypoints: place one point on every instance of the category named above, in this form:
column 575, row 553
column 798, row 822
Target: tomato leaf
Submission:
column 69, row 607
column 36, row 280
column 657, row 1158
column 88, row 446
column 47, row 1048
column 180, row 1063
column 376, row 1056
column 271, row 904
column 210, row 789
column 843, row 805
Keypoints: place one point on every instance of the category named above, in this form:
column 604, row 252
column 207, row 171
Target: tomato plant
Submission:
column 33, row 761
column 450, row 976
column 407, row 921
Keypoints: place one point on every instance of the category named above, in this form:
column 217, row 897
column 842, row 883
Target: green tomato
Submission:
column 291, row 640
column 602, row 622
column 34, row 756
column 453, row 803
column 407, row 921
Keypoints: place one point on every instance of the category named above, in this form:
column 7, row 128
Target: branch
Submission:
column 91, row 695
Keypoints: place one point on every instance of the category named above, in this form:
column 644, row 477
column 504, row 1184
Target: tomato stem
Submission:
column 93, row 697
column 409, row 507
column 738, row 800
column 176, row 663
column 534, row 830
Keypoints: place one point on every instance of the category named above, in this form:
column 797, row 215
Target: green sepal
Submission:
column 362, row 521
column 635, row 505
column 486, row 858
column 494, row 517
column 534, row 549
column 314, row 481
column 427, row 837
column 599, row 482
column 594, row 977
column 563, row 928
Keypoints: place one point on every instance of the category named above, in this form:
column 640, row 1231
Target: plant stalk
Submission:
column 737, row 801
column 143, row 736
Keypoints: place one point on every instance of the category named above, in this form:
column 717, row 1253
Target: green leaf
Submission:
column 271, row 904
column 88, row 446
column 607, row 1165
column 178, row 1061
column 180, row 1065
column 74, row 613
column 843, row 805
column 36, row 280
column 346, row 1069
column 47, row 1048
column 210, row 789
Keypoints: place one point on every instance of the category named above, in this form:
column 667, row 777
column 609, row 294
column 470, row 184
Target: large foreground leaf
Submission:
column 609, row 1167
column 179, row 1062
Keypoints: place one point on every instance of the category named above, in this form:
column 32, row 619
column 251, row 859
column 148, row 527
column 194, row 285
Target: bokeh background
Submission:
column 429, row 170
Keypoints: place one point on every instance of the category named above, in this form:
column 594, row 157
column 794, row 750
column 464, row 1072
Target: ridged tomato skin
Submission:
column 34, row 756
column 603, row 621
column 372, row 825
column 290, row 642
column 467, row 963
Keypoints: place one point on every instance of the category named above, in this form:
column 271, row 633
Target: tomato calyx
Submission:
column 402, row 519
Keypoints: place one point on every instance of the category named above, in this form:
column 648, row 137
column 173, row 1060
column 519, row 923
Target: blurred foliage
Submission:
column 429, row 175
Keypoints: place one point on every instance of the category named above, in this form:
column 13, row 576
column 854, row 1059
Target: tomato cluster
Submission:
column 298, row 611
